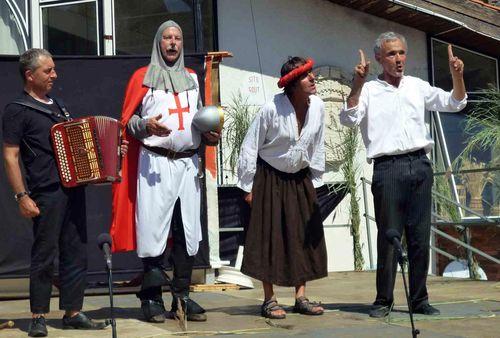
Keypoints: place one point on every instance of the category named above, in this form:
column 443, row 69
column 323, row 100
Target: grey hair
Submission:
column 387, row 36
column 29, row 60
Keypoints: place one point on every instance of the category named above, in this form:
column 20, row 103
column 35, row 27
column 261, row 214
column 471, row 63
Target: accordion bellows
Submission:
column 87, row 150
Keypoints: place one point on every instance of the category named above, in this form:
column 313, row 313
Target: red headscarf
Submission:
column 296, row 73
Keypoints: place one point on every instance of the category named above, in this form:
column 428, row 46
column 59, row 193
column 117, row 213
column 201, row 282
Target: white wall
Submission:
column 262, row 34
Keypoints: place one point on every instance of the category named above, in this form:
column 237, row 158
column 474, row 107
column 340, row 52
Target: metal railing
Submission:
column 439, row 220
column 364, row 182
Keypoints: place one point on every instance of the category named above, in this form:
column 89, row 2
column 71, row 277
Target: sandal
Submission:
column 270, row 306
column 305, row 307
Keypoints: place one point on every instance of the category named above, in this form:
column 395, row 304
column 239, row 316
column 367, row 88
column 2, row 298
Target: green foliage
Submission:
column 483, row 128
column 238, row 119
column 350, row 172
column 347, row 150
column 445, row 208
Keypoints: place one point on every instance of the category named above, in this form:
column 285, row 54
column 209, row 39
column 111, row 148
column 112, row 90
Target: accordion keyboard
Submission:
column 83, row 151
column 63, row 159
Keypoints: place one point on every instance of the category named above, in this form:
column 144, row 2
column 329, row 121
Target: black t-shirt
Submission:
column 30, row 129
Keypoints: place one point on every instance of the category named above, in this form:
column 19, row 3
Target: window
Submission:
column 136, row 23
column 474, row 190
column 480, row 71
column 71, row 29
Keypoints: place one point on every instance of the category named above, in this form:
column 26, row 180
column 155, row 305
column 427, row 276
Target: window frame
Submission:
column 199, row 36
column 435, row 124
column 58, row 3
column 106, row 23
column 432, row 39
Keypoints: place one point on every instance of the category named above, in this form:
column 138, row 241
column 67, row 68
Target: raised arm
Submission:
column 354, row 110
column 457, row 75
column 438, row 99
column 361, row 70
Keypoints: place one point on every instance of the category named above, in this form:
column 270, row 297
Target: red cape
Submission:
column 124, row 194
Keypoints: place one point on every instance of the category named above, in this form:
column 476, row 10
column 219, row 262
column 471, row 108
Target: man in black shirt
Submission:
column 59, row 215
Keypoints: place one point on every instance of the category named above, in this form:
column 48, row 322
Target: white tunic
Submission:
column 274, row 136
column 161, row 181
column 392, row 119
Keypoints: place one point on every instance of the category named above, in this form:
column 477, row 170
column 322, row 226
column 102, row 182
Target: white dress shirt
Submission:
column 392, row 119
column 274, row 136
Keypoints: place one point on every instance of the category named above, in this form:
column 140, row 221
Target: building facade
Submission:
column 261, row 35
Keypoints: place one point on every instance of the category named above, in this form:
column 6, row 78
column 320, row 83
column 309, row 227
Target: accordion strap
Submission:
column 62, row 106
column 30, row 104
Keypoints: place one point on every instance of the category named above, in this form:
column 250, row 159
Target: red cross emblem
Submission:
column 179, row 110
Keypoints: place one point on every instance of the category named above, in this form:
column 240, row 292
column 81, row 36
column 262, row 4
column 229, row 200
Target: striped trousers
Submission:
column 402, row 198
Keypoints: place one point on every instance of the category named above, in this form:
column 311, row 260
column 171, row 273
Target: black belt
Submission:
column 170, row 153
column 416, row 153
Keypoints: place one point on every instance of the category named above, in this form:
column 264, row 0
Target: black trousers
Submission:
column 61, row 226
column 402, row 197
column 179, row 258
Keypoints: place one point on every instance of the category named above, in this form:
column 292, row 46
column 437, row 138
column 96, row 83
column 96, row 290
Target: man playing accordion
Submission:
column 58, row 213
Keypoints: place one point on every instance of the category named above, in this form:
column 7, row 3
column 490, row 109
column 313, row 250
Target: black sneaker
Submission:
column 427, row 309
column 81, row 321
column 37, row 327
column 380, row 311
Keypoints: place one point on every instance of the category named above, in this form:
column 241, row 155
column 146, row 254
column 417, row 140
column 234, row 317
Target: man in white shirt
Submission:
column 390, row 112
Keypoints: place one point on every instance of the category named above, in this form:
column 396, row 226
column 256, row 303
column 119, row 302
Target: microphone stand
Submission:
column 402, row 260
column 111, row 309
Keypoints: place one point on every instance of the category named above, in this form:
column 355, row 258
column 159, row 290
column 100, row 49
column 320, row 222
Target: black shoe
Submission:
column 80, row 321
column 37, row 327
column 196, row 317
column 427, row 309
column 195, row 313
column 380, row 311
column 191, row 317
column 153, row 310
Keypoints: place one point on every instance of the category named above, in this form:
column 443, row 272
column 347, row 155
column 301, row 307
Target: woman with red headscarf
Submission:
column 281, row 162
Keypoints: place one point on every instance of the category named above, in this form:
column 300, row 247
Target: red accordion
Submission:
column 87, row 150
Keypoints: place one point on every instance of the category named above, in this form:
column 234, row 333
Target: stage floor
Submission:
column 468, row 309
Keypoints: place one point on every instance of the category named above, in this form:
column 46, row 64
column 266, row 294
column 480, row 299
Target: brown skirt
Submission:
column 285, row 243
